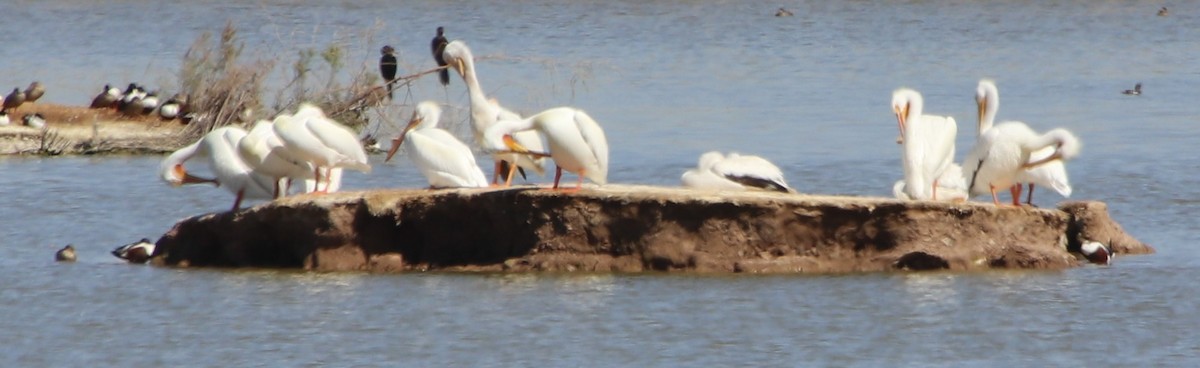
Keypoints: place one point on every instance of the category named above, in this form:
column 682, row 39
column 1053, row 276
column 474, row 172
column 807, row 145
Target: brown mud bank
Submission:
column 80, row 130
column 621, row 228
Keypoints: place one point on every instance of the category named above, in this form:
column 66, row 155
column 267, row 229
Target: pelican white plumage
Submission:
column 952, row 186
column 485, row 112
column 928, row 144
column 1052, row 174
column 444, row 160
column 325, row 143
column 735, row 172
column 269, row 156
column 219, row 147
column 1002, row 152
column 577, row 143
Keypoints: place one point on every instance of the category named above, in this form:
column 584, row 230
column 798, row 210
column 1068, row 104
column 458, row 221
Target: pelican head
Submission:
column 710, row 159
column 179, row 176
column 1066, row 147
column 906, row 103
column 456, row 54
column 987, row 99
column 427, row 111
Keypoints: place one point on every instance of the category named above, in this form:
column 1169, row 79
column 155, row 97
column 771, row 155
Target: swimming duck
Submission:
column 34, row 91
column 783, row 13
column 34, row 120
column 1163, row 12
column 138, row 252
column 1136, row 91
column 66, row 254
column 1096, row 252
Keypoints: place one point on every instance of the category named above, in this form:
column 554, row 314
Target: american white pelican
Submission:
column 1052, row 174
column 219, row 147
column 325, row 143
column 951, row 186
column 1096, row 252
column 928, row 144
column 66, row 254
column 485, row 112
column 138, row 252
column 265, row 152
column 444, row 160
column 438, row 45
column 735, row 172
column 577, row 143
column 1002, row 152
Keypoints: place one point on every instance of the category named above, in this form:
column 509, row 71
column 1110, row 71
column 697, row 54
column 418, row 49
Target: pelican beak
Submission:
column 1054, row 156
column 188, row 178
column 513, row 145
column 982, row 105
column 458, row 66
column 416, row 120
column 901, row 114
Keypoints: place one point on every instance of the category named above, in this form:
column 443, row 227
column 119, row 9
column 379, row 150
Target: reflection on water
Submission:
column 668, row 80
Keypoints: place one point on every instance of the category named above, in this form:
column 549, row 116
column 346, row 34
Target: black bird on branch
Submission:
column 387, row 68
column 437, row 46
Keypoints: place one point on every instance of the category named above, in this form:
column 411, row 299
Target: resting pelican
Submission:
column 325, row 143
column 577, row 143
column 485, row 113
column 1052, row 174
column 444, row 160
column 735, row 172
column 928, row 144
column 267, row 154
column 951, row 186
column 219, row 147
column 1002, row 152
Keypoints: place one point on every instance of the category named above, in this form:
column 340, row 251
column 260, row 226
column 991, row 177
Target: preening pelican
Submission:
column 264, row 151
column 735, row 172
column 1052, row 174
column 952, row 186
column 577, row 143
column 219, row 147
column 325, row 143
column 1003, row 152
column 444, row 160
column 485, row 113
column 928, row 144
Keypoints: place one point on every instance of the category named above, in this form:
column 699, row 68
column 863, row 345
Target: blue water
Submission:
column 667, row 80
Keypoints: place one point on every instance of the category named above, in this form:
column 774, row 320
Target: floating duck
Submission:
column 1163, row 12
column 66, row 254
column 34, row 92
column 1096, row 252
column 138, row 252
column 1136, row 91
column 35, row 120
column 783, row 13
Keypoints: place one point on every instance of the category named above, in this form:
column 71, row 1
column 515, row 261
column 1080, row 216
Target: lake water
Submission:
column 668, row 80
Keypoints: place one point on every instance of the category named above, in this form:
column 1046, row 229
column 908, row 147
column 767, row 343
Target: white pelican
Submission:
column 444, row 160
column 735, row 172
column 314, row 138
column 219, row 147
column 1002, row 152
column 951, row 186
column 138, row 252
column 577, row 143
column 264, row 151
column 485, row 113
column 928, row 144
column 1052, row 174
column 1096, row 252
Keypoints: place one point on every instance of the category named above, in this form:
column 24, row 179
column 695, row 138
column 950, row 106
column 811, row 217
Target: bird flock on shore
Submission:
column 305, row 151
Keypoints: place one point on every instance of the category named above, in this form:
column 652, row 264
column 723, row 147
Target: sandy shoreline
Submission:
column 81, row 130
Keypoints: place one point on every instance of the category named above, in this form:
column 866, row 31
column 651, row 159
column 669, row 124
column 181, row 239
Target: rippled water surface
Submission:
column 667, row 80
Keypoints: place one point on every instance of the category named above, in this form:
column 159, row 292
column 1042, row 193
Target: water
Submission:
column 668, row 80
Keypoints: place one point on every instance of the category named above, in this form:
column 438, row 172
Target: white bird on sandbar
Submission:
column 952, row 187
column 325, row 143
column 269, row 156
column 444, row 160
column 485, row 112
column 577, row 144
column 219, row 147
column 1003, row 152
column 735, row 172
column 1052, row 174
column 928, row 144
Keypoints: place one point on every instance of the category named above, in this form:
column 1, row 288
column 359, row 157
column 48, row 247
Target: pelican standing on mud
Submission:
column 577, row 144
column 1003, row 152
column 444, row 160
column 1052, row 174
column 219, row 148
column 325, row 143
column 928, row 144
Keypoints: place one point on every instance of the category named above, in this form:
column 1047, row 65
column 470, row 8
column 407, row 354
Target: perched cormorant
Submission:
column 439, row 44
column 387, row 68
